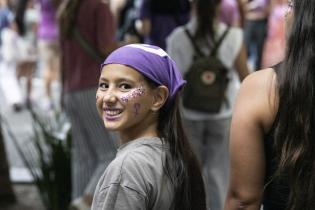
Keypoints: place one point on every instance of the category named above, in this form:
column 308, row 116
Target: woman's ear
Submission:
column 160, row 97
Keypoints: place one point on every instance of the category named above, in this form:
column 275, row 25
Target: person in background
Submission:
column 274, row 49
column 19, row 54
column 155, row 167
column 229, row 13
column 158, row 18
column 5, row 13
column 272, row 132
column 9, row 43
column 48, row 44
column 93, row 146
column 209, row 131
column 256, row 13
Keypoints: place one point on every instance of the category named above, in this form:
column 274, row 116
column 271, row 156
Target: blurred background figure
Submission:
column 93, row 147
column 230, row 13
column 9, row 57
column 126, row 13
column 158, row 18
column 19, row 54
column 209, row 132
column 5, row 14
column 274, row 48
column 256, row 13
column 27, row 17
column 48, row 45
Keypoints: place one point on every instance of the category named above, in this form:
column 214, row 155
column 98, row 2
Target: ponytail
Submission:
column 181, row 165
column 206, row 14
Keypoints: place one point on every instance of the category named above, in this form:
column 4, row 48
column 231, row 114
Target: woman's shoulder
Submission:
column 137, row 168
column 177, row 33
column 259, row 78
column 141, row 158
column 233, row 30
column 258, row 96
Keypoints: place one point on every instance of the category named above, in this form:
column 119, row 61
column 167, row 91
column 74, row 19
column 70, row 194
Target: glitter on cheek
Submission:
column 133, row 94
column 124, row 99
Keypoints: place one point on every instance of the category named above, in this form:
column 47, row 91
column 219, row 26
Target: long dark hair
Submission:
column 20, row 16
column 180, row 164
column 295, row 120
column 206, row 14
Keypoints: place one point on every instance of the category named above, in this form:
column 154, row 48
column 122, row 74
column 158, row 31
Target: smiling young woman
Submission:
column 155, row 167
column 127, row 103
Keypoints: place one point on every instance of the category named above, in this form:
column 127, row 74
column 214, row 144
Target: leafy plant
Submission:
column 47, row 156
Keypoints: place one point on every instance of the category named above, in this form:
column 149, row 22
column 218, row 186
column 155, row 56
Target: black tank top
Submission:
column 276, row 190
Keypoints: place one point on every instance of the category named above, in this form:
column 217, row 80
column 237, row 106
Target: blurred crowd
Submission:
column 63, row 42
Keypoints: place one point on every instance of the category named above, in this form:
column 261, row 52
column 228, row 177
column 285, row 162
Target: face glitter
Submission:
column 133, row 94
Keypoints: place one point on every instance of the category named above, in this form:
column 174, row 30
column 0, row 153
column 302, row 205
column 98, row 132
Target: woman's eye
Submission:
column 103, row 85
column 125, row 86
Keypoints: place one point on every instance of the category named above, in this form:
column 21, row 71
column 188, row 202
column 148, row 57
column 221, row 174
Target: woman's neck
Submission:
column 132, row 134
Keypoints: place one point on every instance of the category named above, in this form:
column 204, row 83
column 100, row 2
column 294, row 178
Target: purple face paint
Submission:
column 133, row 94
column 136, row 106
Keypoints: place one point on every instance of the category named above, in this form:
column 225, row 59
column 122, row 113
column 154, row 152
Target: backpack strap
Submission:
column 88, row 48
column 192, row 40
column 216, row 46
column 218, row 43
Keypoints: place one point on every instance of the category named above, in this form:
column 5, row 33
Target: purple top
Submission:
column 48, row 28
column 151, row 61
column 260, row 5
column 229, row 12
column 161, row 25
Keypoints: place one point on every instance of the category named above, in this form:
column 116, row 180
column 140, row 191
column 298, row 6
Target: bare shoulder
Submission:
column 261, row 78
column 257, row 97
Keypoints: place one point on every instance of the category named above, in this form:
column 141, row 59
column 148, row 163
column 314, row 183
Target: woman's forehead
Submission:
column 119, row 70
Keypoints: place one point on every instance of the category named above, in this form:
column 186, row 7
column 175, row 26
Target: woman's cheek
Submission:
column 134, row 94
column 99, row 104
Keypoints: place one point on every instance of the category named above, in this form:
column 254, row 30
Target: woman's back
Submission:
column 95, row 22
column 181, row 50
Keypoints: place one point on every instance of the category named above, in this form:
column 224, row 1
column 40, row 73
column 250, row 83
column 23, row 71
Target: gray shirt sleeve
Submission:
column 118, row 197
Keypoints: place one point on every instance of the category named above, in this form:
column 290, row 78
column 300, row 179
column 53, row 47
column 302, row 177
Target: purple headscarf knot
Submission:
column 151, row 61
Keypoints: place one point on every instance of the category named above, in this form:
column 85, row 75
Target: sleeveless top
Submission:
column 276, row 192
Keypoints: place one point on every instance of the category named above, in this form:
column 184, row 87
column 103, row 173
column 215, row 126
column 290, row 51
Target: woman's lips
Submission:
column 111, row 114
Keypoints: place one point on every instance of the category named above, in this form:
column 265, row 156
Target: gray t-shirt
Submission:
column 135, row 178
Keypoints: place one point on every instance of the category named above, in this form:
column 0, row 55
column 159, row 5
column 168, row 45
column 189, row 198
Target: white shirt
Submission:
column 181, row 50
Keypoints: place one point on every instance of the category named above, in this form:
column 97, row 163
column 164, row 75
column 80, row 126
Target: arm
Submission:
column 240, row 63
column 252, row 118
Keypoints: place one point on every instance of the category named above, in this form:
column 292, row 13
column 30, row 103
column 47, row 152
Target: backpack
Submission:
column 207, row 80
column 168, row 7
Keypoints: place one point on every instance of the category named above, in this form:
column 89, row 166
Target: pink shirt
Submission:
column 96, row 24
column 229, row 12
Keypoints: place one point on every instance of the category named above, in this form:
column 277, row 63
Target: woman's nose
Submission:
column 109, row 97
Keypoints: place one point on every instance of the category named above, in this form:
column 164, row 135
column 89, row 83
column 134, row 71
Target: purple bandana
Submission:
column 152, row 62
